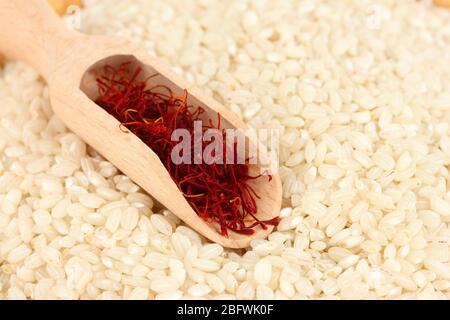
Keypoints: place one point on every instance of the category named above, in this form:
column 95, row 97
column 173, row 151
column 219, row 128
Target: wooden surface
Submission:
column 60, row 6
column 32, row 32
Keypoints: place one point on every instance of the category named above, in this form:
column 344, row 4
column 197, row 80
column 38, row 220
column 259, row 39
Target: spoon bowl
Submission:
column 69, row 62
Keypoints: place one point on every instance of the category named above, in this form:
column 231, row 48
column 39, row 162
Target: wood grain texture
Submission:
column 32, row 32
column 60, row 6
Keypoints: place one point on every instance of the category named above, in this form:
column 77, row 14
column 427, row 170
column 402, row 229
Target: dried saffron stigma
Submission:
column 219, row 193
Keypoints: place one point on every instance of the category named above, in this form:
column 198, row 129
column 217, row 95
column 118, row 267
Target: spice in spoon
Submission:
column 219, row 193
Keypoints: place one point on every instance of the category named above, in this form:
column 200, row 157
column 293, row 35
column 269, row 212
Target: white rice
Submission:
column 360, row 91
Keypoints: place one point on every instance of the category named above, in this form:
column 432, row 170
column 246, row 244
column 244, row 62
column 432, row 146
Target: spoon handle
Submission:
column 31, row 31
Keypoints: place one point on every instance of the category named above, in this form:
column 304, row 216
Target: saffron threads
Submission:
column 219, row 193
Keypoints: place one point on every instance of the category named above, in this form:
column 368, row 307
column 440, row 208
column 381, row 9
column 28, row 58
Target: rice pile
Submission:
column 361, row 92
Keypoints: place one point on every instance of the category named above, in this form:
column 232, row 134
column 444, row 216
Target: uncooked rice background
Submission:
column 361, row 92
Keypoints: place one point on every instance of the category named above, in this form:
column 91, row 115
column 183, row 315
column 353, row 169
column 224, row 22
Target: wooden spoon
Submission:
column 32, row 32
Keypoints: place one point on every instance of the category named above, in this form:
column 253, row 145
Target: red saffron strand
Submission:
column 219, row 193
